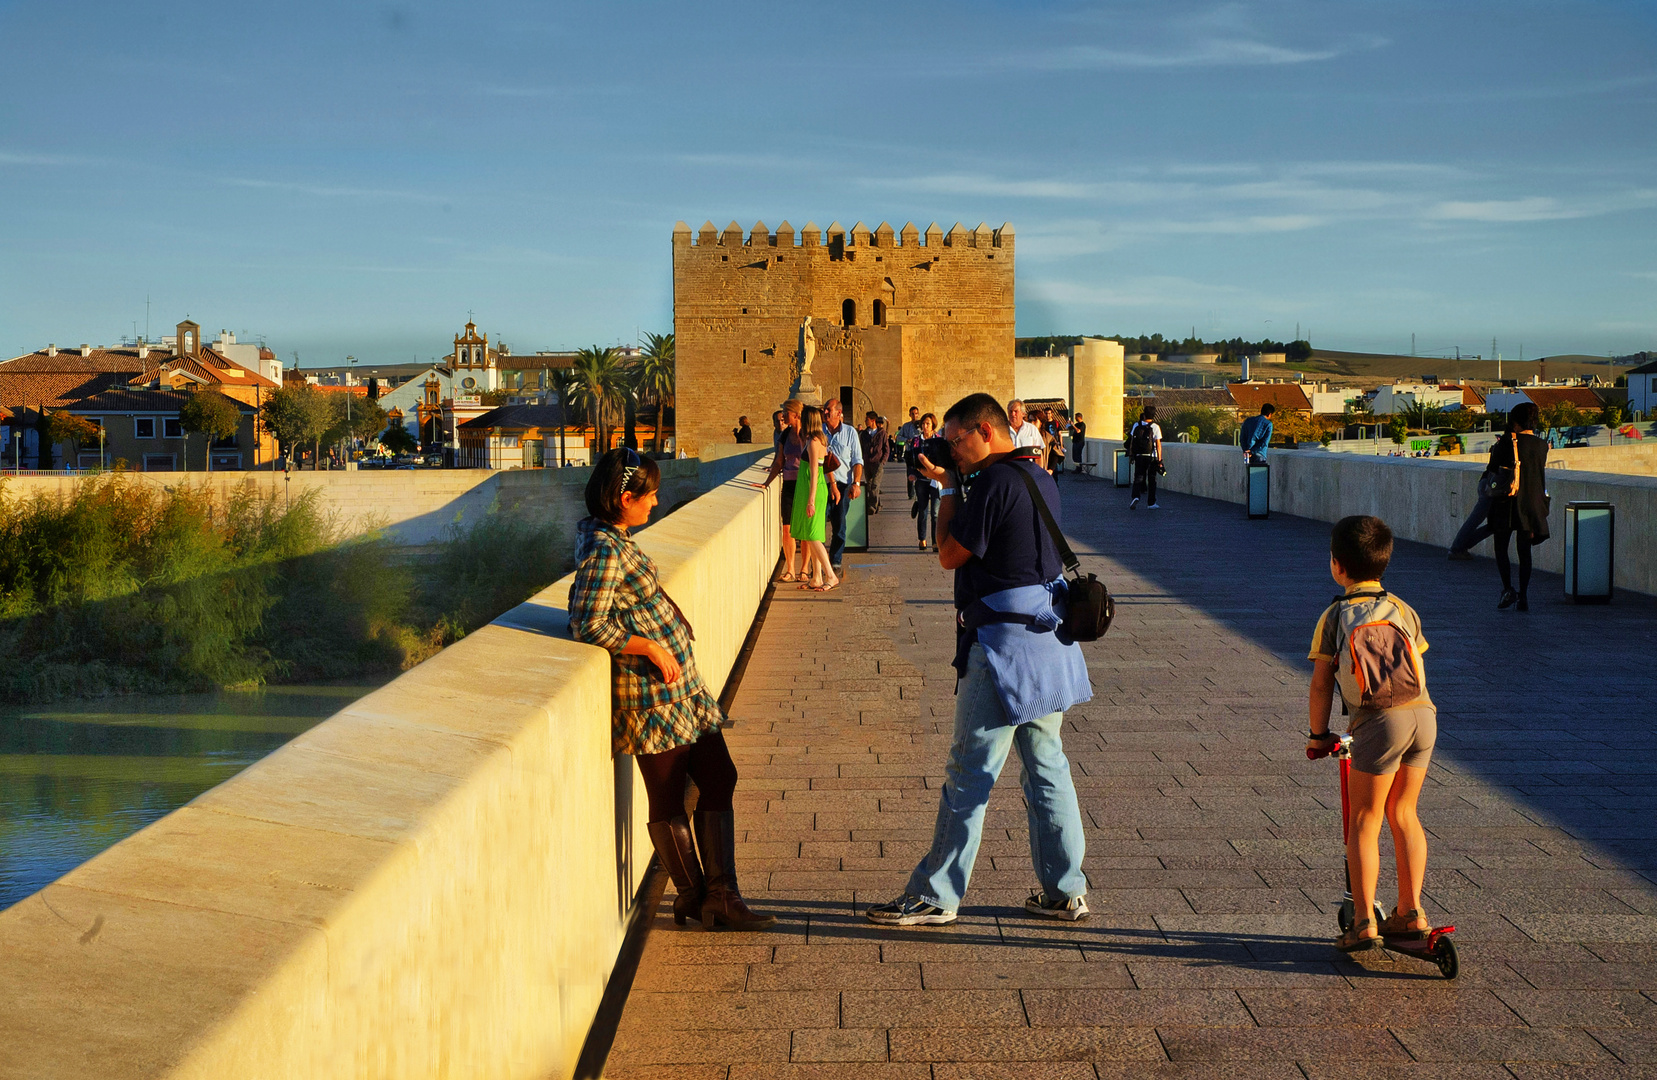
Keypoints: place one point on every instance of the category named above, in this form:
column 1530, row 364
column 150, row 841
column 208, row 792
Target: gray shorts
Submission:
column 1395, row 737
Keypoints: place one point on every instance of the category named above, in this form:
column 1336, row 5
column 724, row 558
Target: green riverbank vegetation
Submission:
column 126, row 586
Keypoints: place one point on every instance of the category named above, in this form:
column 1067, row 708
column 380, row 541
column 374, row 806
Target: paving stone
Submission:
column 837, row 1044
column 1111, row 1008
column 1026, row 1044
column 1280, row 1044
column 1470, row 1043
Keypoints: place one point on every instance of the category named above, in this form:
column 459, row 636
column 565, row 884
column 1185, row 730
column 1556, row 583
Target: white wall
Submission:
column 1041, row 378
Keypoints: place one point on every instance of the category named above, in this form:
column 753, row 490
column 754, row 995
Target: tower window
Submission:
column 848, row 313
column 880, row 313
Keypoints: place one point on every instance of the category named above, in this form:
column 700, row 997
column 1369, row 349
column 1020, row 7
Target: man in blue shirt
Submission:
column 843, row 440
column 1257, row 435
column 1017, row 674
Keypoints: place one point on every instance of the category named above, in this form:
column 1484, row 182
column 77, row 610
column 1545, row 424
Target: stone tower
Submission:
column 902, row 318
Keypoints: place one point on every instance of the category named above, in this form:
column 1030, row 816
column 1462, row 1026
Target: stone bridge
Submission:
column 439, row 881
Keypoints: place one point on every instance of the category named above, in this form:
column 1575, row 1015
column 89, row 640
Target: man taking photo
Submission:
column 1017, row 675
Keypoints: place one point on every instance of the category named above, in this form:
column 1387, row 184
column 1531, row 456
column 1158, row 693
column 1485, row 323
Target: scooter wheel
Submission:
column 1343, row 917
column 1444, row 955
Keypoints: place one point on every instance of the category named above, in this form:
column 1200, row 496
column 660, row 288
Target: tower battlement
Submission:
column 759, row 235
column 904, row 317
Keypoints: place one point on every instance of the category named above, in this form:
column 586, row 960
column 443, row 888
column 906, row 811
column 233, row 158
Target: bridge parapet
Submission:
column 434, row 881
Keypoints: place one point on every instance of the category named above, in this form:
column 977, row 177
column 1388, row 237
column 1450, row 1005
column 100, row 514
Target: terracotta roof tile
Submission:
column 1250, row 396
column 1580, row 396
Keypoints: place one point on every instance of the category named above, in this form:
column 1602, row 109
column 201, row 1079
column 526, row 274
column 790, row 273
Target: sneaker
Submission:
column 1153, row 506
column 1072, row 910
column 1133, row 502
column 1461, row 556
column 909, row 910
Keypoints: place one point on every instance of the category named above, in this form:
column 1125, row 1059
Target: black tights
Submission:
column 706, row 761
column 1506, row 568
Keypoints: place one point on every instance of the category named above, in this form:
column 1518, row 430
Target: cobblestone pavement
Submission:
column 1214, row 854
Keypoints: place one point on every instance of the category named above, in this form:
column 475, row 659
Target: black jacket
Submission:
column 1526, row 511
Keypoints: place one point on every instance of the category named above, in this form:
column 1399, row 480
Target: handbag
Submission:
column 1504, row 480
column 1090, row 608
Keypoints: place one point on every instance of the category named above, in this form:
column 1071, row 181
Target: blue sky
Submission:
column 355, row 179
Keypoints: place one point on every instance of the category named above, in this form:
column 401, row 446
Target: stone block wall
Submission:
column 738, row 300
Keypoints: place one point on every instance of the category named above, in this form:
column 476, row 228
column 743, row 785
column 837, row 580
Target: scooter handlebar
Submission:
column 1312, row 754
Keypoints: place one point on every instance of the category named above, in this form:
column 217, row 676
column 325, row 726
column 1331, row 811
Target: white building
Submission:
column 1402, row 396
column 428, row 404
column 1642, row 388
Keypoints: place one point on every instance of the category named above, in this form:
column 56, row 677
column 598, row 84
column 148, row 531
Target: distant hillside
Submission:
column 1384, row 366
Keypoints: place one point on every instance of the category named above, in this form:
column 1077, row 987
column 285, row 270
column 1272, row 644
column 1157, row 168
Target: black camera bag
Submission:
column 1089, row 609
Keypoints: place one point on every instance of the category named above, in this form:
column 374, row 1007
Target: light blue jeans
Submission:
column 983, row 738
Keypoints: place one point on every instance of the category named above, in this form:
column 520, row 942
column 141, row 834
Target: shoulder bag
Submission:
column 1504, row 480
column 1090, row 608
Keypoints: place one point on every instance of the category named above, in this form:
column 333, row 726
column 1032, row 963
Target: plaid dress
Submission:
column 616, row 595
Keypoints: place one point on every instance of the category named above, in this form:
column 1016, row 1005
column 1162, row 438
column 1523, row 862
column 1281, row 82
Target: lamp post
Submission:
column 350, row 366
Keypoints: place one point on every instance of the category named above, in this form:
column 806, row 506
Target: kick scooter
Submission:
column 1436, row 947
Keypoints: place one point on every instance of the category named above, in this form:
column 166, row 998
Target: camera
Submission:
column 936, row 450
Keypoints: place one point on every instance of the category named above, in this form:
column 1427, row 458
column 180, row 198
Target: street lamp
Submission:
column 350, row 436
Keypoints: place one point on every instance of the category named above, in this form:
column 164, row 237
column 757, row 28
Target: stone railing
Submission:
column 433, row 882
column 1422, row 499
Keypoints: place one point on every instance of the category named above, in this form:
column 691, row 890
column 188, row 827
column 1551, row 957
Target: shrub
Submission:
column 123, row 586
column 1205, row 424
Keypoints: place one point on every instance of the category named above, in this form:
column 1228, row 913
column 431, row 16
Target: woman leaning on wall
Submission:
column 662, row 713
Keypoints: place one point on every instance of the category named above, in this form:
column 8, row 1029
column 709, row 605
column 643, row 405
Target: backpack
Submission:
column 1140, row 442
column 1376, row 661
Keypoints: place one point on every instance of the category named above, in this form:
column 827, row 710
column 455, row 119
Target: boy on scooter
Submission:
column 1368, row 644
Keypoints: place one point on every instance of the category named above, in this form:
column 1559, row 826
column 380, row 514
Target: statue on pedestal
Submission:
column 804, row 388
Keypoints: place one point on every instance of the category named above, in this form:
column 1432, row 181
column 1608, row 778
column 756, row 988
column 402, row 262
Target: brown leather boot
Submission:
column 677, row 853
column 716, row 836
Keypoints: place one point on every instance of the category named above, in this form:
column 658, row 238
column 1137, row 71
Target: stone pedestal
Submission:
column 1096, row 375
column 808, row 392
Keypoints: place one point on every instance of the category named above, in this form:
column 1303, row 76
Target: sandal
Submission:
column 788, row 577
column 831, row 588
column 1352, row 941
column 1397, row 925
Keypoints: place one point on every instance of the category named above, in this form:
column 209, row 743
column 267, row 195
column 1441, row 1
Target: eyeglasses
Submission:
column 955, row 443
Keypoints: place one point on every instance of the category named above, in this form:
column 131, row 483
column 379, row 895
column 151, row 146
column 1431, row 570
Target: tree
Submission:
column 63, row 426
column 1421, row 415
column 297, row 414
column 352, row 418
column 600, row 386
column 1562, row 415
column 1611, row 415
column 208, row 413
column 1398, row 428
column 397, row 439
column 653, row 376
column 1297, row 352
column 563, row 382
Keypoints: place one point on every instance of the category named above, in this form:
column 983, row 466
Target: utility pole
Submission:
column 1412, row 344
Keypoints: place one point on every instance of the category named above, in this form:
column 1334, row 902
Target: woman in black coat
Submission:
column 1524, row 511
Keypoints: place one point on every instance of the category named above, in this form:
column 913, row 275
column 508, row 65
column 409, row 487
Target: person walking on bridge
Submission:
column 663, row 714
column 1520, row 502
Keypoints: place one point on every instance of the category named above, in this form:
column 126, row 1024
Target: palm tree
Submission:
column 600, row 385
column 653, row 375
column 563, row 381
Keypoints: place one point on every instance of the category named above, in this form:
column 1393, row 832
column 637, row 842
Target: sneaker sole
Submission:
column 1057, row 913
column 911, row 920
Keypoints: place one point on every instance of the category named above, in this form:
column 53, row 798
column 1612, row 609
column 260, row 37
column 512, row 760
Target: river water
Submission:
column 77, row 777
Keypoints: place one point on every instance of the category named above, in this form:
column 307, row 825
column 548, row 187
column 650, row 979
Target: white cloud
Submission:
column 330, row 192
column 1541, row 207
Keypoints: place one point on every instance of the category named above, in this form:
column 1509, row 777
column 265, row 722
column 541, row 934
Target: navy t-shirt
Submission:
column 1009, row 541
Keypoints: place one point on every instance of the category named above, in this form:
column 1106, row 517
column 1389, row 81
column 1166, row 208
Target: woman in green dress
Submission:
column 809, row 524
